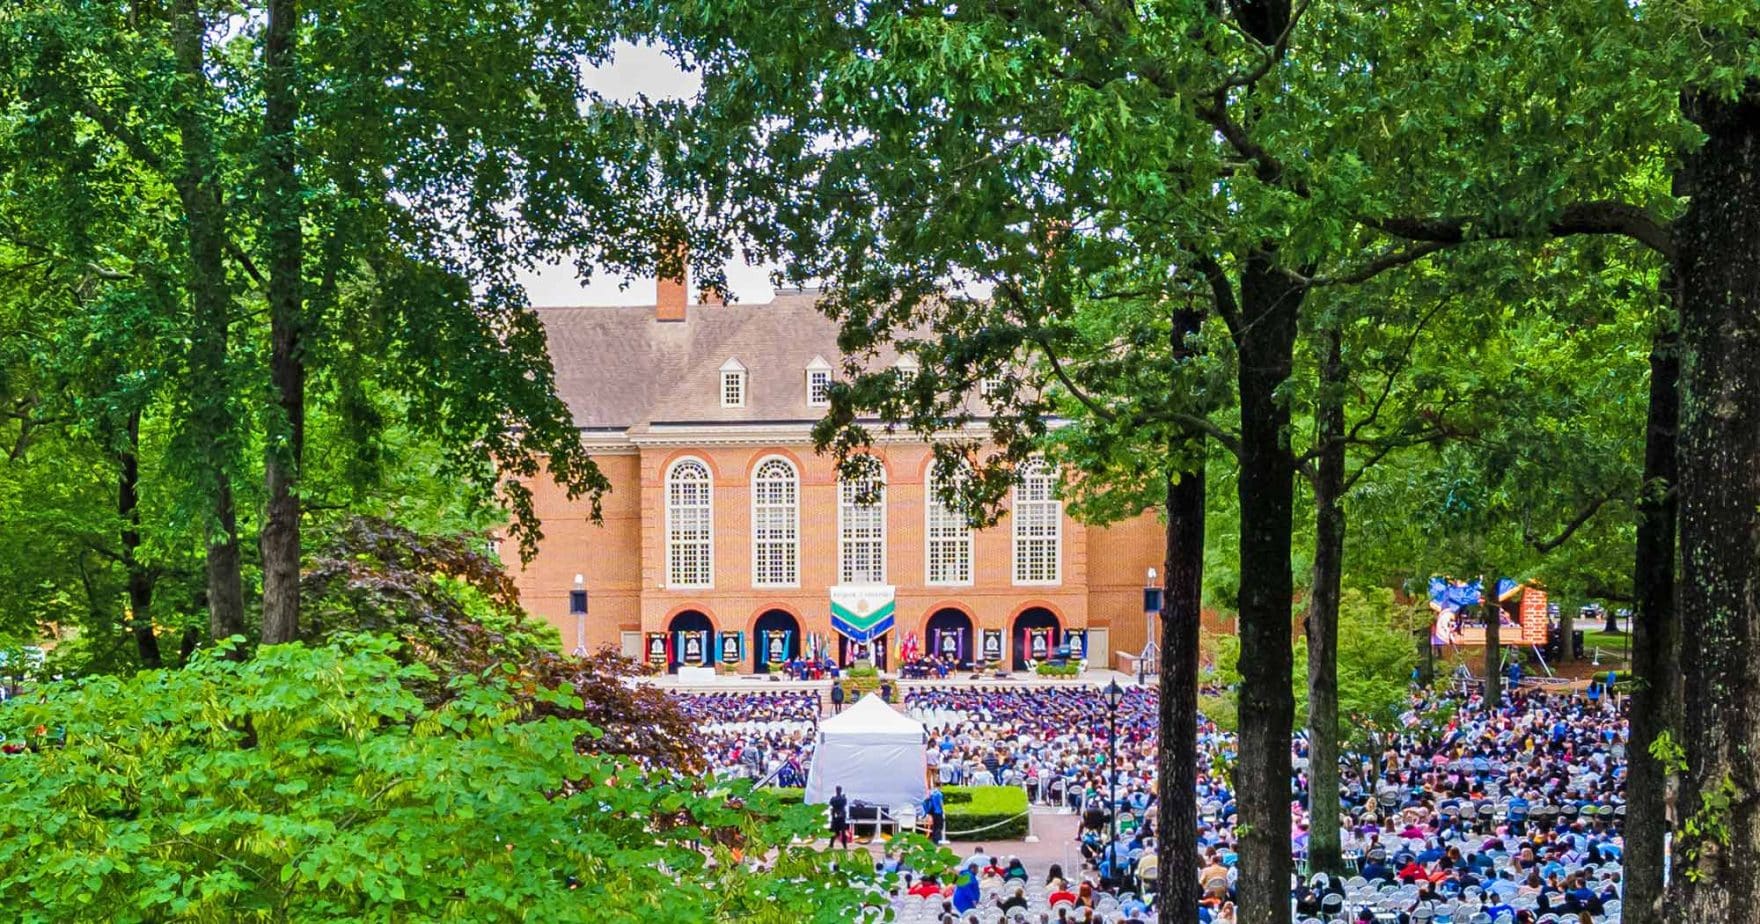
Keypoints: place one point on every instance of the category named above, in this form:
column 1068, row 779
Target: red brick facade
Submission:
column 643, row 428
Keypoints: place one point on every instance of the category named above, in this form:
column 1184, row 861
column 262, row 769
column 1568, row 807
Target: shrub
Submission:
column 1066, row 669
column 320, row 784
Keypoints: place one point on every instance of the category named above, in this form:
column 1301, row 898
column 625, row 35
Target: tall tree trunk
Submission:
column 1493, row 610
column 1265, row 341
column 1655, row 700
column 1181, row 616
column 1426, row 655
column 1717, row 858
column 1567, row 639
column 211, row 301
column 1322, row 624
column 140, row 578
column 286, row 445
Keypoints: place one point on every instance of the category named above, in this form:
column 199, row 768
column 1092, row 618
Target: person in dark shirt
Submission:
column 840, row 818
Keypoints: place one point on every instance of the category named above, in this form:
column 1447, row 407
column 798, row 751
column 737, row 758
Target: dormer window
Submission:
column 818, row 383
column 733, row 384
column 906, row 369
column 987, row 386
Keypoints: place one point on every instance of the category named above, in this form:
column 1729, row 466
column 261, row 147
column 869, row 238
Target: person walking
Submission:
column 935, row 807
column 836, row 696
column 840, row 818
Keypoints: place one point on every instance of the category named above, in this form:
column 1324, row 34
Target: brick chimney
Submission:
column 670, row 287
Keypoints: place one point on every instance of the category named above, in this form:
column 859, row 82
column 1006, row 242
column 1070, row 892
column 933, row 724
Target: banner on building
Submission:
column 992, row 644
column 862, row 613
column 693, row 647
column 1039, row 643
column 732, row 648
column 1077, row 640
column 775, row 645
column 657, row 648
column 950, row 643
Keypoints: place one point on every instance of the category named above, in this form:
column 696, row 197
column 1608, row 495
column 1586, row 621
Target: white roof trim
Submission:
column 818, row 363
column 733, row 365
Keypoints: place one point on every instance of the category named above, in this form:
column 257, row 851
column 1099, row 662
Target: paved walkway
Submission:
column 1056, row 833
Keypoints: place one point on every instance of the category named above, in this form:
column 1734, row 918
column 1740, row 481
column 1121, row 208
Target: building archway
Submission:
column 776, row 637
column 1036, row 632
column 849, row 652
column 948, row 634
column 692, row 635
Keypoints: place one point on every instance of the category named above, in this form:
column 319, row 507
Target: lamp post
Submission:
column 1151, row 609
column 1114, row 693
column 577, row 606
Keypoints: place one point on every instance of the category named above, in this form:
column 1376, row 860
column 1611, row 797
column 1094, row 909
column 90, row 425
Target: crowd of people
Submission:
column 765, row 736
column 1514, row 812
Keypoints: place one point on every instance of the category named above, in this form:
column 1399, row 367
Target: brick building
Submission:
column 726, row 536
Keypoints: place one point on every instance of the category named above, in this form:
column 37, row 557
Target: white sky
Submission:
column 634, row 71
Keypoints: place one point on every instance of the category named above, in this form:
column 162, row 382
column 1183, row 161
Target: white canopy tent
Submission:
column 873, row 752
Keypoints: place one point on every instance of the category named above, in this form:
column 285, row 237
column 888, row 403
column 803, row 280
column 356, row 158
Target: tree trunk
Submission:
column 1265, row 341
column 280, row 539
column 1567, row 641
column 140, row 578
column 211, row 302
column 1655, row 636
column 1181, row 617
column 1426, row 656
column 1493, row 610
column 1322, row 624
column 1717, row 857
column 1177, row 881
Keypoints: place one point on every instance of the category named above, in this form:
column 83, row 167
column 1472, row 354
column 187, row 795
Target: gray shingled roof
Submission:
column 617, row 367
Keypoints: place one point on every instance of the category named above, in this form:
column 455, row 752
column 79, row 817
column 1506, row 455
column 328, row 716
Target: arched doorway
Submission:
column 1035, row 636
column 692, row 635
column 948, row 635
column 776, row 637
column 849, row 652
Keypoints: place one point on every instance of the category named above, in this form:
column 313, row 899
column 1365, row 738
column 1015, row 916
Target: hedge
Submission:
column 995, row 813
column 969, row 808
column 1066, row 669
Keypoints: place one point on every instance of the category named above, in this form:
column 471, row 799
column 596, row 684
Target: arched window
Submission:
column 1038, row 525
column 861, row 530
column 775, row 525
column 949, row 551
column 690, row 525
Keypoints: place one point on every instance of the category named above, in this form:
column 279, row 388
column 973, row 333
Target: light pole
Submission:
column 1114, row 693
column 577, row 605
column 1151, row 609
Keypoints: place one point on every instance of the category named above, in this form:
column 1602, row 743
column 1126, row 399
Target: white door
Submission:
column 1099, row 649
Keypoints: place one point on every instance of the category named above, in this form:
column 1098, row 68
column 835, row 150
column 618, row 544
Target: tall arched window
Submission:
column 1038, row 525
column 690, row 525
column 775, row 524
column 861, row 530
column 949, row 550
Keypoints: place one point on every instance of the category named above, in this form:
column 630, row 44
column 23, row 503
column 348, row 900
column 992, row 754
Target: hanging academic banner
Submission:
column 862, row 613
column 992, row 644
column 693, row 646
column 950, row 643
column 1039, row 643
column 657, row 648
column 732, row 648
column 1077, row 640
column 776, row 645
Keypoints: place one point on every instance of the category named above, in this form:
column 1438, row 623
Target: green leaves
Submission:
column 314, row 784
